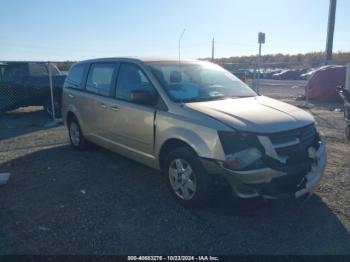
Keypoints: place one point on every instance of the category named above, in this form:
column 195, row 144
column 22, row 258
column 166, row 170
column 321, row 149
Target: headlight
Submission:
column 242, row 159
column 242, row 150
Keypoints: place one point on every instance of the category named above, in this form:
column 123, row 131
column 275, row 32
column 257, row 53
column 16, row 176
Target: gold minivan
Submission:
column 195, row 122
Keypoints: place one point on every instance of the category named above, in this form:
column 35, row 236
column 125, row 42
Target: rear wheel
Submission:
column 187, row 180
column 76, row 136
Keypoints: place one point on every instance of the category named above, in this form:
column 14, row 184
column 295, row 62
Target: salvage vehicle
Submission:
column 196, row 123
column 27, row 84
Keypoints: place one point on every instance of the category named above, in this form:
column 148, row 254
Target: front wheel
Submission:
column 347, row 132
column 187, row 180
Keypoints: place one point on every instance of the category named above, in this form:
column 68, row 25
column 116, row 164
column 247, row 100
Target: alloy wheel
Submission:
column 74, row 133
column 182, row 179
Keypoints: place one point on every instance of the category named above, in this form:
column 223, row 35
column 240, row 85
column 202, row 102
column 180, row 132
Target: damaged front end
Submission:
column 273, row 166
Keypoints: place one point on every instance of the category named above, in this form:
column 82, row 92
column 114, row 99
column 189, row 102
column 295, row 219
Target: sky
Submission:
column 81, row 29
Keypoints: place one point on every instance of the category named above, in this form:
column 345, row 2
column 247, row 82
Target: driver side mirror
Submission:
column 142, row 97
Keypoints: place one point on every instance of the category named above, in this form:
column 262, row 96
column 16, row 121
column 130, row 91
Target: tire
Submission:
column 187, row 179
column 48, row 108
column 76, row 137
column 347, row 132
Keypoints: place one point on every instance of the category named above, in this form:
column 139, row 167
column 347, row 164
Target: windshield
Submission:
column 198, row 81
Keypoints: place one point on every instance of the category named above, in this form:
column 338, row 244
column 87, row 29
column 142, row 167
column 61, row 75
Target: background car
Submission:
column 27, row 84
column 288, row 74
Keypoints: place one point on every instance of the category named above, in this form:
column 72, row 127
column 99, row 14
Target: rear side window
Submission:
column 100, row 78
column 36, row 69
column 76, row 75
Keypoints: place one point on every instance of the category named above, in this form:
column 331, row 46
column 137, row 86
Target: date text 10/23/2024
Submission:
column 172, row 258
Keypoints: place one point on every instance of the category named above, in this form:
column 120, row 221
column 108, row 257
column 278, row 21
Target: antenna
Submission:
column 212, row 49
column 182, row 34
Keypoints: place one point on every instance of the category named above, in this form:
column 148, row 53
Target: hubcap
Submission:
column 74, row 133
column 182, row 179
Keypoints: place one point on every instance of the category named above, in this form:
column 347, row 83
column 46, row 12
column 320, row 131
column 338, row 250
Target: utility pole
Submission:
column 259, row 68
column 261, row 40
column 51, row 92
column 330, row 31
column 55, row 121
column 212, row 49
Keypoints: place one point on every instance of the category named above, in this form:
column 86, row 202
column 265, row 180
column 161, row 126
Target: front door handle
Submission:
column 70, row 96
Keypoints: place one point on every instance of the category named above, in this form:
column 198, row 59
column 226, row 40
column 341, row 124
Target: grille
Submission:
column 306, row 136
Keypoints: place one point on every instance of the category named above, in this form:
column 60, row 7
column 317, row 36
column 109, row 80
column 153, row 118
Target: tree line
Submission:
column 314, row 59
column 307, row 60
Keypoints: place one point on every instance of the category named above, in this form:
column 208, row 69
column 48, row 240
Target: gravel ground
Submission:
column 60, row 201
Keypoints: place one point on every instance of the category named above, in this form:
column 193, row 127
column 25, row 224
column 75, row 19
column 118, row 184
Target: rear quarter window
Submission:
column 75, row 76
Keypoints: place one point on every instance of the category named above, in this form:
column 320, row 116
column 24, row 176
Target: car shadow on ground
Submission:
column 22, row 121
column 61, row 201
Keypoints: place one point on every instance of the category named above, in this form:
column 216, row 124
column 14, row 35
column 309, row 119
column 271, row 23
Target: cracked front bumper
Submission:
column 317, row 171
column 271, row 183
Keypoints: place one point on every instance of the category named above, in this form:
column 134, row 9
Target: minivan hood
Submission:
column 255, row 114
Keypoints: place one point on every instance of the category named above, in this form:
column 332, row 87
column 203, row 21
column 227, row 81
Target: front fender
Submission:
column 205, row 142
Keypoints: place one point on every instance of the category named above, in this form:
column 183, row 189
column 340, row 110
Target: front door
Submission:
column 133, row 123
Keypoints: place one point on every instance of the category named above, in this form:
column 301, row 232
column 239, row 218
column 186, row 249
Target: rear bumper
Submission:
column 271, row 183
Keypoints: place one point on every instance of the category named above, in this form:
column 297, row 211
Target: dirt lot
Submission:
column 60, row 201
